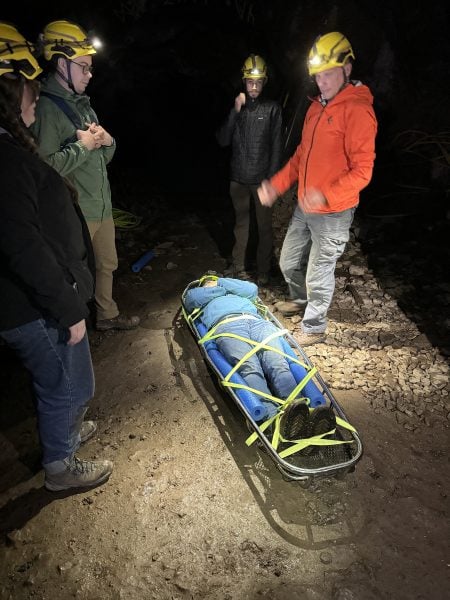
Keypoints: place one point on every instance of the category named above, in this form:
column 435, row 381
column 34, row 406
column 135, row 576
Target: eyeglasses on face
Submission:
column 86, row 68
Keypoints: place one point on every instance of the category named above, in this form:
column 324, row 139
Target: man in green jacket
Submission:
column 72, row 142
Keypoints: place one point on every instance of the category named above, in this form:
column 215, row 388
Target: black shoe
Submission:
column 262, row 279
column 294, row 423
column 321, row 420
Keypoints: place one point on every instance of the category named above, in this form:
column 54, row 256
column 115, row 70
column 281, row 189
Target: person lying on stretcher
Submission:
column 265, row 371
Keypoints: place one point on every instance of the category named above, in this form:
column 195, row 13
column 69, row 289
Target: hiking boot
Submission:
column 243, row 275
column 79, row 474
column 294, row 423
column 120, row 322
column 322, row 420
column 288, row 309
column 263, row 279
column 87, row 430
column 308, row 339
column 232, row 270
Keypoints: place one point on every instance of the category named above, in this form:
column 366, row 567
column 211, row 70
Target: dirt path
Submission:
column 189, row 511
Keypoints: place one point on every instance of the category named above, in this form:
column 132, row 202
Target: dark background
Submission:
column 170, row 69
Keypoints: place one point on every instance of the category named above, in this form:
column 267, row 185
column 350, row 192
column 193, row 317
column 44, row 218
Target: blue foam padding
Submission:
column 257, row 409
column 252, row 402
column 310, row 390
column 141, row 262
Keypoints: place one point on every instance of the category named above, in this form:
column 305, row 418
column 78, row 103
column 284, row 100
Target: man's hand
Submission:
column 312, row 200
column 77, row 333
column 267, row 194
column 102, row 137
column 239, row 102
column 87, row 138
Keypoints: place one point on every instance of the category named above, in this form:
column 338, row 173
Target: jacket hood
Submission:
column 355, row 91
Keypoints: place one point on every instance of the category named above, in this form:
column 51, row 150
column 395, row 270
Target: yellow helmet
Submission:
column 329, row 50
column 16, row 54
column 254, row 68
column 67, row 39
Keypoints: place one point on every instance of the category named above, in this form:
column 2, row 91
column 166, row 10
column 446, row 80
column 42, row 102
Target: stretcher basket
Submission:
column 332, row 454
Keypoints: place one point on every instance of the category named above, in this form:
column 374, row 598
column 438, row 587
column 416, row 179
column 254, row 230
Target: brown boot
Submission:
column 308, row 339
column 119, row 322
column 288, row 309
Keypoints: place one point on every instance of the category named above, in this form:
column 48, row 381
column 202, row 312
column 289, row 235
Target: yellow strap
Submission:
column 242, row 386
column 210, row 336
column 256, row 347
column 254, row 436
column 301, row 384
column 297, row 445
column 276, row 435
column 193, row 316
column 210, row 333
column 345, row 424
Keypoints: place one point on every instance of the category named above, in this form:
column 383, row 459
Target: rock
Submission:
column 356, row 270
column 326, row 558
column 65, row 567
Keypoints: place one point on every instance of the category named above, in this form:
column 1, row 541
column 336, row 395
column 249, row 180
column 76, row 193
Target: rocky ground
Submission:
column 190, row 512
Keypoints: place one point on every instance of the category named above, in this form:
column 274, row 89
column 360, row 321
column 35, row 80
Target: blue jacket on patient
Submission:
column 227, row 297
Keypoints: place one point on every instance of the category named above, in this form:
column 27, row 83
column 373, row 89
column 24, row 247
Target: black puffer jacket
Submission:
column 42, row 248
column 255, row 137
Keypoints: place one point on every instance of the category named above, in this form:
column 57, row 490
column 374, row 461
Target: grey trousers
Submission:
column 241, row 195
column 312, row 245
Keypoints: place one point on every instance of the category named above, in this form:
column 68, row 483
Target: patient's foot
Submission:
column 294, row 423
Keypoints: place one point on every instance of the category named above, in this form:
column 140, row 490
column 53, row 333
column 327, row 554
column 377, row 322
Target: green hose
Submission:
column 124, row 219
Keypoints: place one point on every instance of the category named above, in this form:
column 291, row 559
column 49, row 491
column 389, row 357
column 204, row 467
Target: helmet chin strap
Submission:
column 67, row 79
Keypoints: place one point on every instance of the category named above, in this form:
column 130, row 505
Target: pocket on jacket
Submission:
column 83, row 282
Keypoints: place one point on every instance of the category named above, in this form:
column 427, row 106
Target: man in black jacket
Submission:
column 253, row 129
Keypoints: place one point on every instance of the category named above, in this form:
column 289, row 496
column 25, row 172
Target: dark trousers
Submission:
column 242, row 195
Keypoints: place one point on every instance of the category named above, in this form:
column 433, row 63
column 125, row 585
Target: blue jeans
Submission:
column 261, row 368
column 312, row 245
column 63, row 382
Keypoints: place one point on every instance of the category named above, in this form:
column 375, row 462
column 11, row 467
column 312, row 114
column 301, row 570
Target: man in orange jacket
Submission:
column 332, row 164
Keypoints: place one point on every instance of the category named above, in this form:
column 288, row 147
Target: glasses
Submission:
column 86, row 68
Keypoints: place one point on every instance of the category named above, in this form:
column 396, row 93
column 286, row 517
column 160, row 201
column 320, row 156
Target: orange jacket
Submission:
column 336, row 152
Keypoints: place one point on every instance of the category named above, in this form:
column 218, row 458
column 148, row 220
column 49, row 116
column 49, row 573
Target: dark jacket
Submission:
column 254, row 134
column 42, row 250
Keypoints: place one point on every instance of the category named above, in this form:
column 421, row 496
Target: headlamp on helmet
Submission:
column 254, row 68
column 64, row 38
column 329, row 51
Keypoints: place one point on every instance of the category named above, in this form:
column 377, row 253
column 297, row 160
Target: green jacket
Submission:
column 58, row 145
